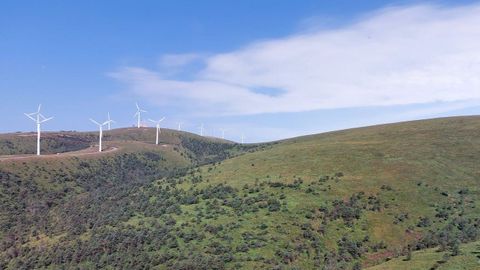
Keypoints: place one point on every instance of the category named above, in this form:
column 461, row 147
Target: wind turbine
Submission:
column 38, row 118
column 100, row 126
column 138, row 115
column 243, row 138
column 180, row 126
column 223, row 132
column 201, row 129
column 109, row 121
column 157, row 123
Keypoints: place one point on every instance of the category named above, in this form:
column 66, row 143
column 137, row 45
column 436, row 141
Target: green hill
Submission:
column 340, row 200
column 392, row 178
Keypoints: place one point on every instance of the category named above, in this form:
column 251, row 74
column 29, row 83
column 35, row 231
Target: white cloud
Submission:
column 179, row 60
column 396, row 56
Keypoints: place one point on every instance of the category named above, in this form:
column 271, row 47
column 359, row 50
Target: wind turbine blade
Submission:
column 161, row 119
column 135, row 115
column 46, row 119
column 28, row 115
column 108, row 116
column 39, row 107
column 142, row 110
column 136, row 104
column 106, row 122
column 153, row 121
column 95, row 122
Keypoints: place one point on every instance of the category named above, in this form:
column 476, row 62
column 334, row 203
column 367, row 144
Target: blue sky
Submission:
column 267, row 69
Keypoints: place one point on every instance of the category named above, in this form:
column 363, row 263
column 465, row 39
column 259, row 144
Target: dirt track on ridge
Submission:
column 93, row 150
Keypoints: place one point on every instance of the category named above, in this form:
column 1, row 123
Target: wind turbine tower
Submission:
column 223, row 132
column 38, row 118
column 243, row 138
column 100, row 126
column 180, row 126
column 157, row 123
column 109, row 121
column 138, row 115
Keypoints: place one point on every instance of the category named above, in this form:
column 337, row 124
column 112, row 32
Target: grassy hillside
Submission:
column 341, row 200
column 384, row 188
column 386, row 179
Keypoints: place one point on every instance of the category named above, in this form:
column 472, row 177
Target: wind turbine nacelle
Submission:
column 143, row 125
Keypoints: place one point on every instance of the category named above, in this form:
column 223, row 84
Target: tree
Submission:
column 409, row 254
column 357, row 266
column 455, row 248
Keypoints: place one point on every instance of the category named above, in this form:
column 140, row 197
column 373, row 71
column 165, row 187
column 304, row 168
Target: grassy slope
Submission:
column 469, row 258
column 419, row 160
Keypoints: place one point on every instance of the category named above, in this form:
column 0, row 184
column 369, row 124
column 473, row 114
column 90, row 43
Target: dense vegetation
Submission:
column 204, row 152
column 404, row 193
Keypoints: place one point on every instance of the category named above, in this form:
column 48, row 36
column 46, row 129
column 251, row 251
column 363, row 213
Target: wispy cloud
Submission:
column 396, row 56
column 179, row 60
column 436, row 109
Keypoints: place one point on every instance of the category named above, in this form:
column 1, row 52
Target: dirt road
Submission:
column 93, row 150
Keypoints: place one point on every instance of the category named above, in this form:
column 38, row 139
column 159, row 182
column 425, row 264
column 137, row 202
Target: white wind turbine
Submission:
column 100, row 126
column 157, row 123
column 201, row 129
column 243, row 138
column 180, row 126
column 38, row 118
column 109, row 121
column 223, row 132
column 138, row 115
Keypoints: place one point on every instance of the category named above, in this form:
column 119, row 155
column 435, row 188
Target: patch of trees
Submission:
column 455, row 227
column 448, row 237
column 349, row 210
column 206, row 152
column 399, row 218
column 349, row 249
column 295, row 185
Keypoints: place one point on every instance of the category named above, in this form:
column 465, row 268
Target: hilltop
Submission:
column 197, row 148
column 339, row 200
